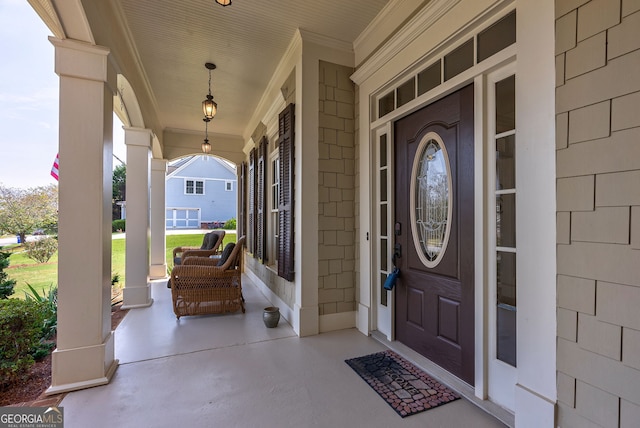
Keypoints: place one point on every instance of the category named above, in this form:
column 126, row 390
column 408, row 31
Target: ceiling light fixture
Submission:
column 224, row 2
column 206, row 147
column 209, row 107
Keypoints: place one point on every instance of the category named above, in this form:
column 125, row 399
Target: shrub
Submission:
column 116, row 296
column 41, row 250
column 230, row 224
column 48, row 302
column 118, row 225
column 20, row 328
column 6, row 285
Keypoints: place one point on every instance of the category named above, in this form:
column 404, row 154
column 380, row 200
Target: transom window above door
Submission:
column 480, row 46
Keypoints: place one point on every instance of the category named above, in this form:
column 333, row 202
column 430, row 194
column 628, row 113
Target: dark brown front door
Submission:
column 435, row 296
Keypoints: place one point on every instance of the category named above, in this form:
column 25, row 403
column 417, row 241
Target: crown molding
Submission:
column 420, row 23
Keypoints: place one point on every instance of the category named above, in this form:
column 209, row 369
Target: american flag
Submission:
column 54, row 168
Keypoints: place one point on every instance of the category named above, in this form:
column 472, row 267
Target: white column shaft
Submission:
column 137, row 292
column 158, row 267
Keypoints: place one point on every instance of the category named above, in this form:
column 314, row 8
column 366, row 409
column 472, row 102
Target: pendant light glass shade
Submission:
column 209, row 107
column 206, row 147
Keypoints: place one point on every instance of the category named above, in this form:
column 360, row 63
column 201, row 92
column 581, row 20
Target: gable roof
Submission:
column 177, row 167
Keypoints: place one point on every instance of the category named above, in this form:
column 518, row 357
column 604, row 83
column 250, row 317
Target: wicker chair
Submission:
column 203, row 285
column 211, row 245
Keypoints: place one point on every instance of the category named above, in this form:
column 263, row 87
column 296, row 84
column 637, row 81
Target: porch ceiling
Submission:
column 246, row 41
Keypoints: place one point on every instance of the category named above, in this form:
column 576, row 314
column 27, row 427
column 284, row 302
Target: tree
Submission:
column 41, row 250
column 6, row 285
column 119, row 186
column 119, row 182
column 24, row 210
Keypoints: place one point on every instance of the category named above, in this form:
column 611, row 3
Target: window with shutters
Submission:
column 260, row 202
column 268, row 180
column 286, row 155
column 251, row 186
column 273, row 229
column 242, row 199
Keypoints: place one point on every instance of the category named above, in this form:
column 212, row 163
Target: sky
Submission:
column 29, row 100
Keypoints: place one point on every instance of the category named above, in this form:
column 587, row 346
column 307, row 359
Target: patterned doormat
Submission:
column 406, row 388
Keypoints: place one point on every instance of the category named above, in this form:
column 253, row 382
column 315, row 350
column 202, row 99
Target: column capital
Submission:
column 159, row 165
column 134, row 136
column 84, row 61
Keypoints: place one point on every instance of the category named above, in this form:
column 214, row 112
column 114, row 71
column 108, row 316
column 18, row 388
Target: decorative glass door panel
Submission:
column 431, row 200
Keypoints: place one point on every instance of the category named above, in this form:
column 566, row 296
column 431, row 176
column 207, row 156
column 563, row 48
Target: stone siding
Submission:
column 336, row 187
column 598, row 220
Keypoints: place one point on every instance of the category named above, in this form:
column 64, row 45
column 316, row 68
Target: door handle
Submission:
column 397, row 249
column 397, row 253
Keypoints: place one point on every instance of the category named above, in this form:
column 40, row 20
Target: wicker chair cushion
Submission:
column 226, row 253
column 209, row 240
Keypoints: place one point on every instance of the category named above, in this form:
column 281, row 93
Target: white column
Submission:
column 536, row 390
column 158, row 268
column 306, row 315
column 137, row 292
column 85, row 353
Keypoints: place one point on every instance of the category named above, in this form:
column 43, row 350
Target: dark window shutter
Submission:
column 285, row 205
column 261, row 208
column 252, row 203
column 242, row 204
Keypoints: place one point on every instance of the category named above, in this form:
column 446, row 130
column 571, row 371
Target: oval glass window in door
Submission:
column 431, row 200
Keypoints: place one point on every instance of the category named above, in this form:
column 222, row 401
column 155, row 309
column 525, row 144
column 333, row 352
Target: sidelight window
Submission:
column 505, row 200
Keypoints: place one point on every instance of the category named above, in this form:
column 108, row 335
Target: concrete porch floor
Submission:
column 232, row 371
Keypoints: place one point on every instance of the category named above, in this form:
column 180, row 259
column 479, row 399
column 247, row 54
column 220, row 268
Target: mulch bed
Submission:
column 31, row 391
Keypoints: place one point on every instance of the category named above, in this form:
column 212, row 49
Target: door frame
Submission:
column 382, row 319
column 416, row 46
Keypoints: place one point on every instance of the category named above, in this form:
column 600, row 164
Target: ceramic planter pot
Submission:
column 271, row 316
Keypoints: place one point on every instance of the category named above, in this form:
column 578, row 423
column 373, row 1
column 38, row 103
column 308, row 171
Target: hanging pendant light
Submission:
column 224, row 2
column 206, row 147
column 209, row 107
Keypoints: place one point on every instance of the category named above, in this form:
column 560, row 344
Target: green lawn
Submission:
column 42, row 276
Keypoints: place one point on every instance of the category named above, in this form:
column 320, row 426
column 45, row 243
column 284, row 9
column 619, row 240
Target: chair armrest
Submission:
column 198, row 253
column 182, row 249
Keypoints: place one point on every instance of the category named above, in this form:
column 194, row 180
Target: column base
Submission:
column 158, row 271
column 363, row 321
column 136, row 297
column 308, row 321
column 533, row 410
column 80, row 368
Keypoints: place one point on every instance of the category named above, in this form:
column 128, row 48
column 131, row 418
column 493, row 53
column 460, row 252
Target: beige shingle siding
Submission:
column 336, row 181
column 598, row 221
